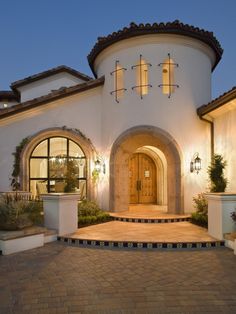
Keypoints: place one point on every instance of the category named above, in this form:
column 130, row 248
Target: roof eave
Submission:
column 37, row 77
column 217, row 103
column 28, row 105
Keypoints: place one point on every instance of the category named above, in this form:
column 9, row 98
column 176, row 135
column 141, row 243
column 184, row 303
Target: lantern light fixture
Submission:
column 196, row 163
column 100, row 165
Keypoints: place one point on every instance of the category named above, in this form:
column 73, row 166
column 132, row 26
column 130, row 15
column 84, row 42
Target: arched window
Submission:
column 142, row 82
column 118, row 75
column 168, row 81
column 57, row 164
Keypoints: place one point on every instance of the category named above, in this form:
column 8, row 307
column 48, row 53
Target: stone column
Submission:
column 60, row 212
column 220, row 206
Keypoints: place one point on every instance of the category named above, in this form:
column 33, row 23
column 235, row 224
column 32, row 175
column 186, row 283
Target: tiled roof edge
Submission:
column 175, row 27
column 9, row 95
column 55, row 95
column 50, row 72
column 218, row 102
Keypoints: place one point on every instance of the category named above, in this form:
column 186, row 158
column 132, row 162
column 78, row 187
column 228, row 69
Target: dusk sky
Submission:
column 37, row 35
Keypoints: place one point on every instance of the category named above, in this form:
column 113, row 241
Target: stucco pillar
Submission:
column 220, row 207
column 61, row 212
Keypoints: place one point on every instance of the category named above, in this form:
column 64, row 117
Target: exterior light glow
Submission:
column 100, row 165
column 196, row 163
column 5, row 105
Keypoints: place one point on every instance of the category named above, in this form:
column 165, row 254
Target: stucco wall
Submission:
column 225, row 144
column 9, row 103
column 46, row 85
column 100, row 118
column 82, row 111
column 176, row 115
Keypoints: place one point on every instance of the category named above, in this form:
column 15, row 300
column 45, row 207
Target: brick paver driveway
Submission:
column 62, row 279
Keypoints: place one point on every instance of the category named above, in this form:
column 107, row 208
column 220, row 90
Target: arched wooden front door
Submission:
column 142, row 179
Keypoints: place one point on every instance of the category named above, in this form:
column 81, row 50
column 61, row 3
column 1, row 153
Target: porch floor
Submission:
column 147, row 212
column 145, row 226
column 179, row 232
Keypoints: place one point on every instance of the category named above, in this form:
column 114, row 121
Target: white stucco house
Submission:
column 141, row 121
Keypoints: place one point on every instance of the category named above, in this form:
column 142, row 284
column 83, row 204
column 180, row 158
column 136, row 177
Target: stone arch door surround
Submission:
column 123, row 148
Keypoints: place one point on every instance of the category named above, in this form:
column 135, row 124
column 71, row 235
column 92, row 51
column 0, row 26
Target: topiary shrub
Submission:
column 89, row 213
column 17, row 212
column 200, row 217
column 215, row 171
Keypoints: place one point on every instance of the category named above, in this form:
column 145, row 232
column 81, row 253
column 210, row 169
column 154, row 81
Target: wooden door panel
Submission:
column 147, row 175
column 142, row 179
column 133, row 178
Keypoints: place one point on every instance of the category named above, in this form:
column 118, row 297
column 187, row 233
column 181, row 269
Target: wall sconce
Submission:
column 196, row 163
column 100, row 165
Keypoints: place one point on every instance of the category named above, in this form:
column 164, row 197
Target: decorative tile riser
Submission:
column 141, row 245
column 151, row 221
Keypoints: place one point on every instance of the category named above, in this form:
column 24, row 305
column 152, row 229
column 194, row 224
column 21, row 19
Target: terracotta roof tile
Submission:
column 50, row 72
column 175, row 27
column 53, row 96
column 217, row 102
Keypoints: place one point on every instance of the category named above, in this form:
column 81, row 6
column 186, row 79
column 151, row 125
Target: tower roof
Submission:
column 175, row 27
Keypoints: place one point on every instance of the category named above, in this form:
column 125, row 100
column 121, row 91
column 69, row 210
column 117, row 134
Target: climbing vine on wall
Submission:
column 15, row 184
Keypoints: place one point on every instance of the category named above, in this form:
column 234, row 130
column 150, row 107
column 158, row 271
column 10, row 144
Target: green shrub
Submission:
column 200, row 203
column 89, row 213
column 88, row 208
column 199, row 219
column 17, row 212
column 216, row 174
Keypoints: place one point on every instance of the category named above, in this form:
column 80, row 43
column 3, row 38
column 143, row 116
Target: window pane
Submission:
column 59, row 186
column 38, row 187
column 82, row 189
column 142, row 77
column 41, row 149
column 58, row 146
column 38, row 168
column 168, row 76
column 77, row 167
column 119, row 81
column 75, row 150
column 57, row 167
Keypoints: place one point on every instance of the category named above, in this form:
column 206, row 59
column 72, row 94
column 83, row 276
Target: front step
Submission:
column 151, row 220
column 141, row 245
